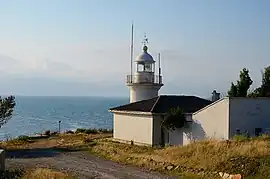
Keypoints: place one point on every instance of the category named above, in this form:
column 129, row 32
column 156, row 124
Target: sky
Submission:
column 82, row 47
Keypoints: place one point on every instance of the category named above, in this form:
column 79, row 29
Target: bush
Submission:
column 93, row 131
column 48, row 132
column 69, row 132
column 241, row 138
column 105, row 130
column 80, row 130
column 23, row 138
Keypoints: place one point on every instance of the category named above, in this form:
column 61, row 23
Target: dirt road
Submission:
column 80, row 164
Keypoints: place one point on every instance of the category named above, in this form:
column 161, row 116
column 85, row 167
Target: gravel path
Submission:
column 80, row 164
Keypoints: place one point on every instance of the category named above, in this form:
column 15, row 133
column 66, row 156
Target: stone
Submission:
column 228, row 176
column 224, row 175
column 170, row 167
column 2, row 159
column 237, row 176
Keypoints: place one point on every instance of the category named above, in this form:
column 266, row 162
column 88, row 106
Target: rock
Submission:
column 170, row 167
column 237, row 176
column 228, row 176
column 177, row 167
column 224, row 175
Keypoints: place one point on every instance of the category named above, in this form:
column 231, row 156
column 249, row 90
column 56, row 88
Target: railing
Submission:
column 144, row 79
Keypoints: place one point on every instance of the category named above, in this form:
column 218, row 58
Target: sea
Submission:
column 33, row 115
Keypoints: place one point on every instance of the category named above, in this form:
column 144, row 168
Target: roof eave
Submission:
column 130, row 112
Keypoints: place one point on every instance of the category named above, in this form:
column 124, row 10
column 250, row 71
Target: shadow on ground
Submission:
column 37, row 153
column 11, row 174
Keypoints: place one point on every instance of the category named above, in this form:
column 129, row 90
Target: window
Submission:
column 148, row 67
column 140, row 67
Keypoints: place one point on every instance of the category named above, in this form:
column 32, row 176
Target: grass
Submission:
column 37, row 173
column 62, row 141
column 243, row 155
column 249, row 157
column 43, row 173
column 70, row 141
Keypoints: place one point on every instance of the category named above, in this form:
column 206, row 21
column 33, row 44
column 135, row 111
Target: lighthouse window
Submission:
column 148, row 67
column 140, row 67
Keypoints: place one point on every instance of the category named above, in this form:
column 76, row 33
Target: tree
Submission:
column 6, row 109
column 242, row 86
column 233, row 91
column 175, row 118
column 260, row 91
column 266, row 76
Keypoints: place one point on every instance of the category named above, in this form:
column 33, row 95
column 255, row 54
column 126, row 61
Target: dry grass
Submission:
column 250, row 158
column 43, row 173
column 37, row 173
column 61, row 141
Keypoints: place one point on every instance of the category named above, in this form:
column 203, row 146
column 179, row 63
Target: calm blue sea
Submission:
column 37, row 114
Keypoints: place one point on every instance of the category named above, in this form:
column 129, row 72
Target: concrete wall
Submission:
column 157, row 130
column 246, row 114
column 179, row 136
column 211, row 121
column 140, row 92
column 137, row 128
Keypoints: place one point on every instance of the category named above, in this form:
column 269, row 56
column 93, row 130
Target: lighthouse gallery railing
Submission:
column 156, row 79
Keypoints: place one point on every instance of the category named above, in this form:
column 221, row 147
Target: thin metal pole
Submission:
column 131, row 54
column 159, row 68
column 59, row 126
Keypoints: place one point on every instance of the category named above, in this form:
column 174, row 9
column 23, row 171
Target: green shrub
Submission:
column 241, row 138
column 48, row 132
column 93, row 131
column 80, row 130
column 23, row 138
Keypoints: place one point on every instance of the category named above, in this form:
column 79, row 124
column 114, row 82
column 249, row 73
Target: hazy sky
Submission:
column 82, row 47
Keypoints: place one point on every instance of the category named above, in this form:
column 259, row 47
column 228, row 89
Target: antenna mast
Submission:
column 131, row 54
column 159, row 68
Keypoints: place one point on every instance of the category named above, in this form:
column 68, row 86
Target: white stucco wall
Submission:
column 137, row 128
column 248, row 114
column 177, row 137
column 140, row 92
column 157, row 130
column 211, row 121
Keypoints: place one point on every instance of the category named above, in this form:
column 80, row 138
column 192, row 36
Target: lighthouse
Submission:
column 144, row 83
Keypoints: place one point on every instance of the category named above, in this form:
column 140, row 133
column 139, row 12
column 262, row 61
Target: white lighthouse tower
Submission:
column 144, row 83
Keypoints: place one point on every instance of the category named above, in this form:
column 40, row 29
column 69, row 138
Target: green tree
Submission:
column 260, row 91
column 266, row 76
column 242, row 86
column 233, row 91
column 6, row 109
column 175, row 118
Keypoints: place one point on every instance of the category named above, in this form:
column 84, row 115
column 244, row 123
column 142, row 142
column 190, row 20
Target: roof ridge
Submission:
column 155, row 104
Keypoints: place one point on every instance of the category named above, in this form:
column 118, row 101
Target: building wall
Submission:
column 131, row 127
column 176, row 137
column 246, row 114
column 211, row 122
column 140, row 92
column 157, row 130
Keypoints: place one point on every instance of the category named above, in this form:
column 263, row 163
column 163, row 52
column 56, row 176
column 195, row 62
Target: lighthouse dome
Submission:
column 145, row 57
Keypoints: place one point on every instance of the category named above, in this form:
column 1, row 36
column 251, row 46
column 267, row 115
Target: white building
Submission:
column 230, row 116
column 140, row 121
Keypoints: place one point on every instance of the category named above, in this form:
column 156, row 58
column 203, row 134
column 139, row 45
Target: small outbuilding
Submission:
column 140, row 121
